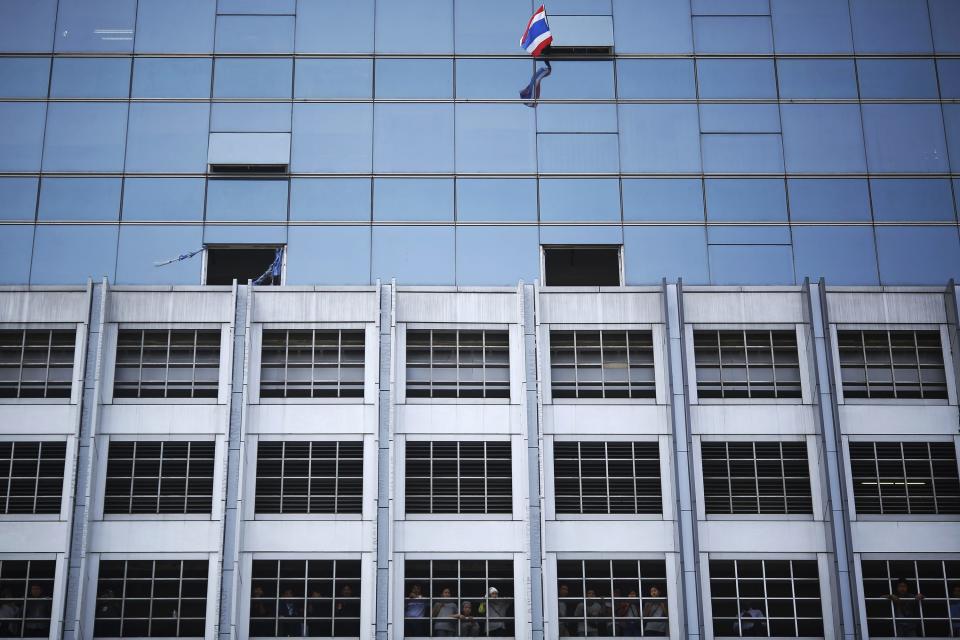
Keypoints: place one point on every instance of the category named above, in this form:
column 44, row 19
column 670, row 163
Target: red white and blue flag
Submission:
column 537, row 36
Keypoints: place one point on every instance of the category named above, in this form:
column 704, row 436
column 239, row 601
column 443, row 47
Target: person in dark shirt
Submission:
column 906, row 611
column 37, row 618
column 292, row 627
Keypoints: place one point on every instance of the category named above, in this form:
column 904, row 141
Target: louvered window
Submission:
column 31, row 476
column 747, row 364
column 890, row 589
column 756, row 477
column 458, row 364
column 905, row 477
column 305, row 598
column 607, row 477
column 770, row 598
column 306, row 363
column 891, row 364
column 27, row 598
column 480, row 591
column 150, row 598
column 36, row 363
column 167, row 363
column 459, row 477
column 309, row 477
column 620, row 598
column 159, row 477
column 602, row 364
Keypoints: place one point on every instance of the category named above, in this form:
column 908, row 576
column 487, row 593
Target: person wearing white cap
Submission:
column 497, row 610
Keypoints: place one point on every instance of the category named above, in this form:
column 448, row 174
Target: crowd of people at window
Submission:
column 446, row 616
column 907, row 614
column 296, row 620
column 29, row 618
column 622, row 616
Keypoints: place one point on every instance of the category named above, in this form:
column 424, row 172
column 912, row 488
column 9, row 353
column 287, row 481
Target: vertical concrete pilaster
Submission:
column 384, row 438
column 534, row 440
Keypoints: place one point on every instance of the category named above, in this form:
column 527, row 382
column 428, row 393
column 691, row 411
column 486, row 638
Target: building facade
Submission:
column 668, row 349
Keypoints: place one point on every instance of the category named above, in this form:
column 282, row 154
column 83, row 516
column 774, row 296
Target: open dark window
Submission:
column 226, row 263
column 582, row 266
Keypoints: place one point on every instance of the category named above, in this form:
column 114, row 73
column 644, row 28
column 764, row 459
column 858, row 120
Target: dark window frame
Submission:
column 133, row 354
column 58, row 350
column 936, row 578
column 475, row 369
column 745, row 363
column 165, row 472
column 454, row 477
column 299, row 485
column 601, row 484
column 32, row 462
column 553, row 252
column 584, row 350
column 885, row 353
column 310, row 350
column 883, row 472
column 18, row 577
column 751, row 477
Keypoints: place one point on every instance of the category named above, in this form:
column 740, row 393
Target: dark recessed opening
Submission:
column 226, row 263
column 553, row 52
column 594, row 266
column 248, row 168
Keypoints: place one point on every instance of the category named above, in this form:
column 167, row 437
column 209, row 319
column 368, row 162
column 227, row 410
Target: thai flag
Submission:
column 537, row 36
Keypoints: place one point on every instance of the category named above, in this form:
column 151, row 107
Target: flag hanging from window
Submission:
column 537, row 36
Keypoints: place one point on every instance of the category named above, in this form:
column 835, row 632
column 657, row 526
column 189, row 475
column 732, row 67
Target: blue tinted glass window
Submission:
column 742, row 153
column 253, row 78
column 724, row 78
column 746, row 199
column 594, row 200
column 414, row 254
column 332, row 137
column 496, row 200
column 415, row 26
column 918, row 255
column 95, row 25
column 821, row 138
column 267, row 117
column 658, row 138
column 577, row 118
column 21, row 135
column 829, row 199
column 841, row 255
column 904, row 137
column 245, row 234
column 254, row 34
column 175, row 26
column 730, row 7
column 653, row 253
column 582, row 30
column 517, row 250
column 945, row 22
column 79, row 199
column 732, row 34
column 890, row 26
column 399, row 78
column 745, row 234
column 163, row 198
column 911, row 199
column 172, row 77
column 142, row 245
column 751, row 264
column 259, row 7
column 18, row 198
column 328, row 255
column 643, row 79
column 739, row 118
column 492, row 78
column 581, row 234
column 657, row 199
column 320, row 78
column 657, row 26
column 85, row 137
column 897, row 79
column 577, row 152
column 951, row 121
column 335, row 27
column 90, row 78
column 330, row 199
column 948, row 72
column 16, row 247
column 817, row 78
column 168, row 137
column 411, row 199
column 27, row 26
column 24, row 77
column 489, row 26
column 229, row 200
column 413, row 137
column 249, row 148
column 70, row 253
column 812, row 26
column 577, row 79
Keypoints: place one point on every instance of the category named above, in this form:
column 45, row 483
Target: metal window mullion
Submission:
column 746, row 364
column 903, row 475
column 580, row 476
column 783, row 478
column 310, row 486
column 336, row 480
column 339, row 367
column 876, row 466
column 23, row 359
column 633, row 482
column 603, row 379
column 629, row 364
column 916, row 354
column 9, row 475
column 766, row 598
column 313, row 362
column 866, row 365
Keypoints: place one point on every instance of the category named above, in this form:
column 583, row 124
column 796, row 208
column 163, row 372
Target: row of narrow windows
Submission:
column 461, row 363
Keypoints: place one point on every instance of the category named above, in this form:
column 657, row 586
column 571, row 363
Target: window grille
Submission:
column 306, row 363
column 770, row 598
column 36, row 363
column 31, row 476
column 309, row 477
column 756, row 477
column 905, row 477
column 159, row 477
column 481, row 591
column 607, row 477
column 747, row 364
column 459, row 477
column 167, row 363
column 26, row 598
column 890, row 590
column 602, row 364
column 297, row 598
column 891, row 364
column 458, row 364
column 150, row 598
